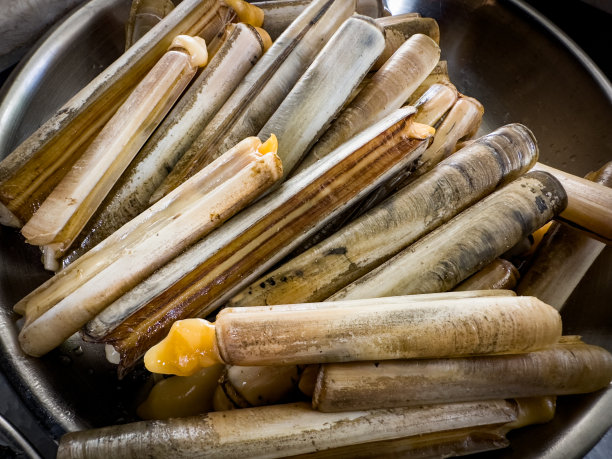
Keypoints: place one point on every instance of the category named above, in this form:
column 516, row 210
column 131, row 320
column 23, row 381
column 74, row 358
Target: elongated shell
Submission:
column 439, row 75
column 33, row 169
column 279, row 14
column 435, row 102
column 276, row 431
column 449, row 443
column 386, row 91
column 589, row 204
column 156, row 238
column 144, row 15
column 64, row 213
column 254, row 386
column 130, row 196
column 343, row 331
column 400, row 28
column 362, row 245
column 263, row 89
column 323, row 89
column 460, row 123
column 430, row 108
column 471, row 240
column 208, row 274
column 499, row 273
column 563, row 257
column 349, row 331
column 562, row 369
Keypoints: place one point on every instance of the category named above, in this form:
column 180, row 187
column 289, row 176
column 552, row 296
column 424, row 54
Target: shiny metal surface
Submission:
column 518, row 65
column 16, row 442
column 21, row 23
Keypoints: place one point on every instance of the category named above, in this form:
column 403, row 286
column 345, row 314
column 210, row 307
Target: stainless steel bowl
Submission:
column 517, row 64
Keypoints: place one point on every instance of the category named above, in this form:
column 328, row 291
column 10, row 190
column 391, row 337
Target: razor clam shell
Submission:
column 342, row 331
column 561, row 369
column 91, row 105
column 258, row 385
column 279, row 14
column 386, row 91
column 144, row 15
column 589, row 205
column 563, row 257
column 323, row 89
column 439, row 75
column 263, row 89
column 562, row 260
column 423, row 105
column 308, row 377
column 399, row 28
column 451, row 253
column 462, row 121
column 417, row 209
column 434, row 103
column 261, row 235
column 130, row 196
column 450, row 443
column 499, row 273
column 71, row 204
column 157, row 238
column 276, row 431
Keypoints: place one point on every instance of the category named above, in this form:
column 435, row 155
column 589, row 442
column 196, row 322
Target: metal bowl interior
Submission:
column 521, row 69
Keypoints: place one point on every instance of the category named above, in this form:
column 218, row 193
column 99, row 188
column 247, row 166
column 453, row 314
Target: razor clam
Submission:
column 456, row 442
column 342, row 331
column 460, row 123
column 34, row 168
column 425, row 204
column 263, row 89
column 277, row 431
column 390, row 384
column 439, row 75
column 118, row 312
column 525, row 247
column 279, row 14
column 454, row 251
column 59, row 307
column 130, row 196
column 280, row 380
column 499, row 273
column 386, row 91
column 210, row 272
column 430, row 108
column 67, row 209
column 435, row 102
column 563, row 257
column 323, row 89
column 144, row 15
column 589, row 204
column 400, row 28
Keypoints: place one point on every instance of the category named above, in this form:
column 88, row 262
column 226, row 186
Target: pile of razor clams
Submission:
column 304, row 174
